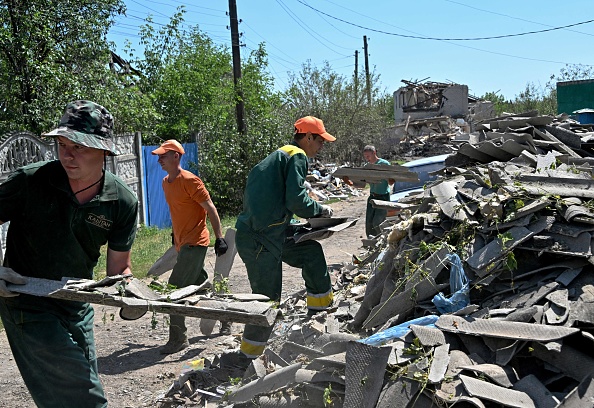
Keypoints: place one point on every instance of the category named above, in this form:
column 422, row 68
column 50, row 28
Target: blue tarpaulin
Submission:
column 402, row 329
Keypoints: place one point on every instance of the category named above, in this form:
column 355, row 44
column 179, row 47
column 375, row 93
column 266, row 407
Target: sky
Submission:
column 433, row 40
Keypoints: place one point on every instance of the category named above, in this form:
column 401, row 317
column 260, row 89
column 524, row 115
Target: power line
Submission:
column 512, row 17
column 443, row 39
column 301, row 24
column 154, row 11
column 268, row 42
column 460, row 45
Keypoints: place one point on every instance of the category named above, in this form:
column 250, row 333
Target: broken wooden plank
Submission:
column 256, row 313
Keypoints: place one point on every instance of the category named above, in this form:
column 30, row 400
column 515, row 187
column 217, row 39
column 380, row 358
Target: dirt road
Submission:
column 132, row 370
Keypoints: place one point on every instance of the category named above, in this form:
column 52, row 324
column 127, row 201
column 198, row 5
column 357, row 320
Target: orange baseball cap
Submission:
column 314, row 126
column 169, row 145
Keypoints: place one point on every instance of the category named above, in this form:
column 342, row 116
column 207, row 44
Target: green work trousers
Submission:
column 375, row 216
column 265, row 274
column 188, row 270
column 53, row 345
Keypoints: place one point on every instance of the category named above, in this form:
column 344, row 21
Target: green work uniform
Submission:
column 375, row 216
column 52, row 236
column 274, row 192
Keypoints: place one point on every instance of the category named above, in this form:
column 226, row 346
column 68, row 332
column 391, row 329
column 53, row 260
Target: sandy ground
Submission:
column 132, row 370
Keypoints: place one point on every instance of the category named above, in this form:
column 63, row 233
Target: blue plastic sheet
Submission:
column 402, row 329
column 459, row 288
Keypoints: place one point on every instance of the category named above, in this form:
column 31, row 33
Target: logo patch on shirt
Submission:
column 99, row 221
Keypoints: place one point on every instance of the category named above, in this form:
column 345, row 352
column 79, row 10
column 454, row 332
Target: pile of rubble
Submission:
column 479, row 293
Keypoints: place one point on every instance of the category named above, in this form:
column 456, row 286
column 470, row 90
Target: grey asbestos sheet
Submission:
column 568, row 276
column 474, row 153
column 504, row 355
column 364, row 375
column 428, row 336
column 303, row 375
column 432, row 265
column 531, row 298
column 580, row 397
column 570, row 230
column 278, row 379
column 532, row 386
column 398, row 348
column 504, row 376
column 337, row 361
column 495, row 250
column 574, row 211
column 503, row 329
column 572, row 362
column 403, row 302
column 445, row 194
column 495, row 393
column 450, row 391
column 439, row 364
column 516, row 222
column 544, row 185
column 398, row 393
column 476, row 345
column 581, row 312
column 579, row 246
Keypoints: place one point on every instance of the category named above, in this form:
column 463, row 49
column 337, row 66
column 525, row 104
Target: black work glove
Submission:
column 220, row 246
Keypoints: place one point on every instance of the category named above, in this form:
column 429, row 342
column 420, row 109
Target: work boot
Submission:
column 235, row 359
column 174, row 346
column 225, row 329
column 178, row 339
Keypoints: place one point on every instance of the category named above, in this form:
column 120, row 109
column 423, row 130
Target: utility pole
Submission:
column 367, row 79
column 239, row 107
column 356, row 76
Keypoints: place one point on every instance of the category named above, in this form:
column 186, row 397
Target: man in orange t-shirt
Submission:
column 189, row 204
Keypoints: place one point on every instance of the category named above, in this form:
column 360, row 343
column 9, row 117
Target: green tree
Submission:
column 226, row 159
column 190, row 82
column 52, row 51
column 323, row 93
column 541, row 99
column 574, row 72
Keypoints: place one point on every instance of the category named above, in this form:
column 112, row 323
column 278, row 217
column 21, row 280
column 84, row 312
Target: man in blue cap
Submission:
column 61, row 213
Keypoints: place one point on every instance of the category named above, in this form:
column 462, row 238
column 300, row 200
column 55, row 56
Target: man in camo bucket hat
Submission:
column 61, row 213
column 88, row 124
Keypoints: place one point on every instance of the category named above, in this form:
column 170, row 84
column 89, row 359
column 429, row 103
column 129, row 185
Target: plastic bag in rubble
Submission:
column 459, row 288
column 401, row 330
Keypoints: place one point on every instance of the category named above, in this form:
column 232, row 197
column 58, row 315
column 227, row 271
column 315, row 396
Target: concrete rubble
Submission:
column 511, row 218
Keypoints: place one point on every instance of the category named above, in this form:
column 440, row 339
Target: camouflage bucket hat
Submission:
column 88, row 124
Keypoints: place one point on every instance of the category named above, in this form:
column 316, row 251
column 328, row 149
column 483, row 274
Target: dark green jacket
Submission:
column 274, row 192
column 51, row 235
